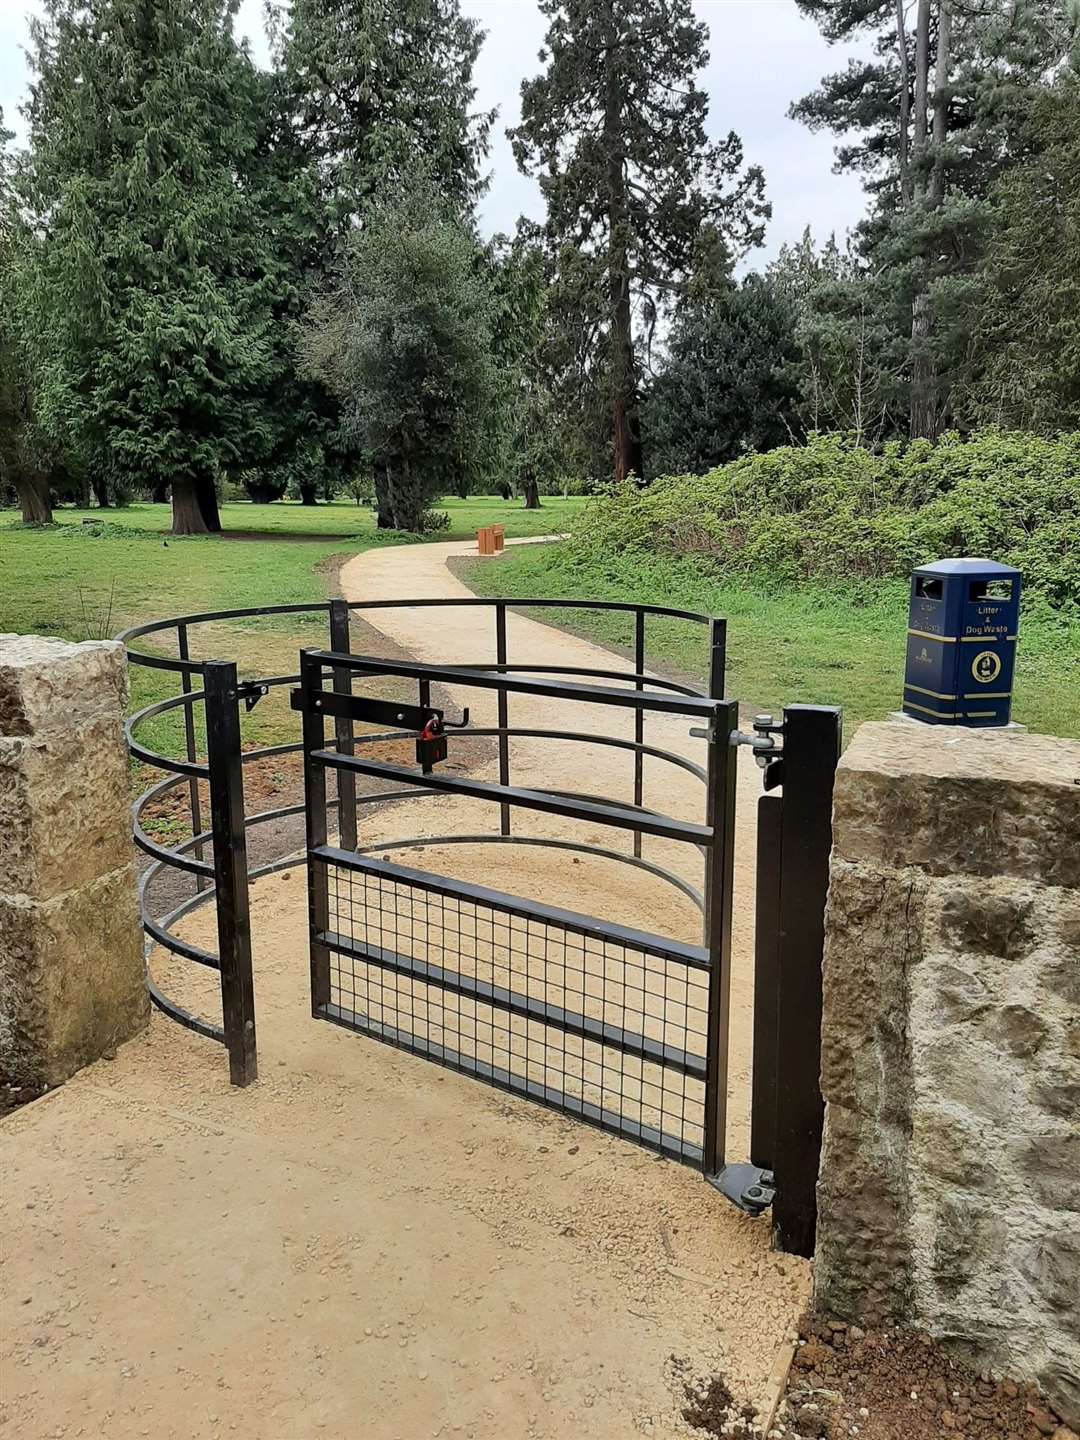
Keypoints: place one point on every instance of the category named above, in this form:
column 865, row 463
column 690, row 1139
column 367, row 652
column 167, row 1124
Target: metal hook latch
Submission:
column 457, row 724
column 251, row 693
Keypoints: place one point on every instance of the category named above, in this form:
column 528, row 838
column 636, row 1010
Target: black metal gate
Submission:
column 620, row 1028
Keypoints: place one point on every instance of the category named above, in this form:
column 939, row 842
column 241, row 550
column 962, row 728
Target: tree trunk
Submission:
column 531, row 491
column 922, row 91
column 625, row 421
column 461, row 488
column 187, row 516
column 905, row 103
column 408, row 505
column 101, row 491
column 383, row 499
column 34, row 498
column 207, row 498
column 930, row 187
column 941, row 101
column 307, row 495
column 159, row 492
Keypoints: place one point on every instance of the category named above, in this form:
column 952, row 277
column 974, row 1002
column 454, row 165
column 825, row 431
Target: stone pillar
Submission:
column 72, row 974
column 949, row 1193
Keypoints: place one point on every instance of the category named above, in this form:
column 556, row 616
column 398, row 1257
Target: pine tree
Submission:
column 728, row 382
column 931, row 122
column 22, row 463
column 380, row 94
column 615, row 129
column 149, row 286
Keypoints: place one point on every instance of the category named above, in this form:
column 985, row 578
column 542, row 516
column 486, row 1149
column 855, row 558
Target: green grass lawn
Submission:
column 92, row 581
column 343, row 519
column 814, row 644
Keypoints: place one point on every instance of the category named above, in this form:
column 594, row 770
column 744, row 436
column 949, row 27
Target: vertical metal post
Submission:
column 639, row 718
column 314, row 738
column 811, row 753
column 230, row 867
column 717, row 658
column 189, row 737
column 770, row 821
column 720, row 816
column 504, row 710
column 717, row 651
column 343, row 727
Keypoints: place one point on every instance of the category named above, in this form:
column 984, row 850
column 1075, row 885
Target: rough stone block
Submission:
column 72, row 975
column 949, row 1191
column 61, row 793
column 956, row 801
column 45, row 682
column 73, row 980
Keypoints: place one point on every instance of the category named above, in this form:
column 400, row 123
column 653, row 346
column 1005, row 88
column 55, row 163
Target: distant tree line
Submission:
column 215, row 277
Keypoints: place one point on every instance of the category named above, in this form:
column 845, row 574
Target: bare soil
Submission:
column 900, row 1385
column 362, row 1243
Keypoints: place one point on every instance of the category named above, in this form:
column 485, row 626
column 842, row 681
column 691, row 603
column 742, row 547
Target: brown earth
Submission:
column 900, row 1385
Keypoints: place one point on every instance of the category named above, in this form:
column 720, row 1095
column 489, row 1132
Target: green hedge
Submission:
column 830, row 510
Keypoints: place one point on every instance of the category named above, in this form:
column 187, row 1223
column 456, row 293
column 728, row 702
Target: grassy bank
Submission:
column 811, row 642
column 90, row 581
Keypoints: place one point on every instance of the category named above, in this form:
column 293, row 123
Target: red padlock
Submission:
column 431, row 745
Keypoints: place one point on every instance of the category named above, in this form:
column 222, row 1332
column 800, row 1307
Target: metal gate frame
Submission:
column 715, row 838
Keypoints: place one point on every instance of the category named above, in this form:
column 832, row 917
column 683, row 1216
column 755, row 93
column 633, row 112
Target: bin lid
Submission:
column 967, row 565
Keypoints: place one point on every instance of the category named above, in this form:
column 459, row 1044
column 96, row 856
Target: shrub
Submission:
column 831, row 510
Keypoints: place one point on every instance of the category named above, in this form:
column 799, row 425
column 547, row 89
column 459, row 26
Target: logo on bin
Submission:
column 986, row 666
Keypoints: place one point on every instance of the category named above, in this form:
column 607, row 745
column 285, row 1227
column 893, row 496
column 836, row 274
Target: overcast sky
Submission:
column 764, row 55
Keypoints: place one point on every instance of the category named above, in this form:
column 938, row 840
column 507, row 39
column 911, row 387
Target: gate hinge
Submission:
column 251, row 692
column 763, row 739
column 748, row 1186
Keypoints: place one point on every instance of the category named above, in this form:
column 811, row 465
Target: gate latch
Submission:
column 251, row 692
column 748, row 1186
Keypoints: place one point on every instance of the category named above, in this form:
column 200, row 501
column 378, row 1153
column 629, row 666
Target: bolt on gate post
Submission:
column 226, row 777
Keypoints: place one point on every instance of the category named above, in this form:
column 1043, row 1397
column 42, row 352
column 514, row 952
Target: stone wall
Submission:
column 949, row 1193
column 72, row 975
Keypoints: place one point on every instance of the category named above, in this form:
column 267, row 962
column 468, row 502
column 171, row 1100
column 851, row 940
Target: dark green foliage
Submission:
column 935, row 122
column 835, row 510
column 380, row 99
column 614, row 127
column 728, row 382
column 1026, row 305
column 405, row 340
column 147, row 284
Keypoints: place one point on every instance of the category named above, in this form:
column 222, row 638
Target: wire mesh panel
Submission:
column 606, row 1024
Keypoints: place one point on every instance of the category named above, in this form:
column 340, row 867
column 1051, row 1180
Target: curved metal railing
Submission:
column 224, row 875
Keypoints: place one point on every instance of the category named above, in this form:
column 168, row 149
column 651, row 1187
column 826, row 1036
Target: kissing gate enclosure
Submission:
column 623, row 1028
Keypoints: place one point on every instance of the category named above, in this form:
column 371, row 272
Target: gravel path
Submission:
column 362, row 1243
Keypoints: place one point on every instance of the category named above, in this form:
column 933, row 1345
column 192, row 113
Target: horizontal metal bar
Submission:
column 673, row 685
column 609, row 1120
column 664, row 611
column 596, row 813
column 184, row 1017
column 662, row 946
column 693, row 705
column 365, row 709
column 515, row 1003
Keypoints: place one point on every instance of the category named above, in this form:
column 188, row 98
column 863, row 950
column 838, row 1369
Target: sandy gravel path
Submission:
column 363, row 1244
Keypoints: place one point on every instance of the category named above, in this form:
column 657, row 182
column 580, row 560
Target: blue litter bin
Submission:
column 961, row 642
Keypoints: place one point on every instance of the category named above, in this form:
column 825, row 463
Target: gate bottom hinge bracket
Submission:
column 748, row 1186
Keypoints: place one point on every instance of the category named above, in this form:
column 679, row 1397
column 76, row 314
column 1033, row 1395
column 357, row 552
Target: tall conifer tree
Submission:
column 149, row 286
column 615, row 129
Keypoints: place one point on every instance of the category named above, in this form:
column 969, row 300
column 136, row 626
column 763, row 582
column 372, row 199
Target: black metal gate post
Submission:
column 340, row 642
column 770, row 821
column 720, row 815
column 226, row 778
column 810, row 755
column 314, row 737
column 503, row 713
